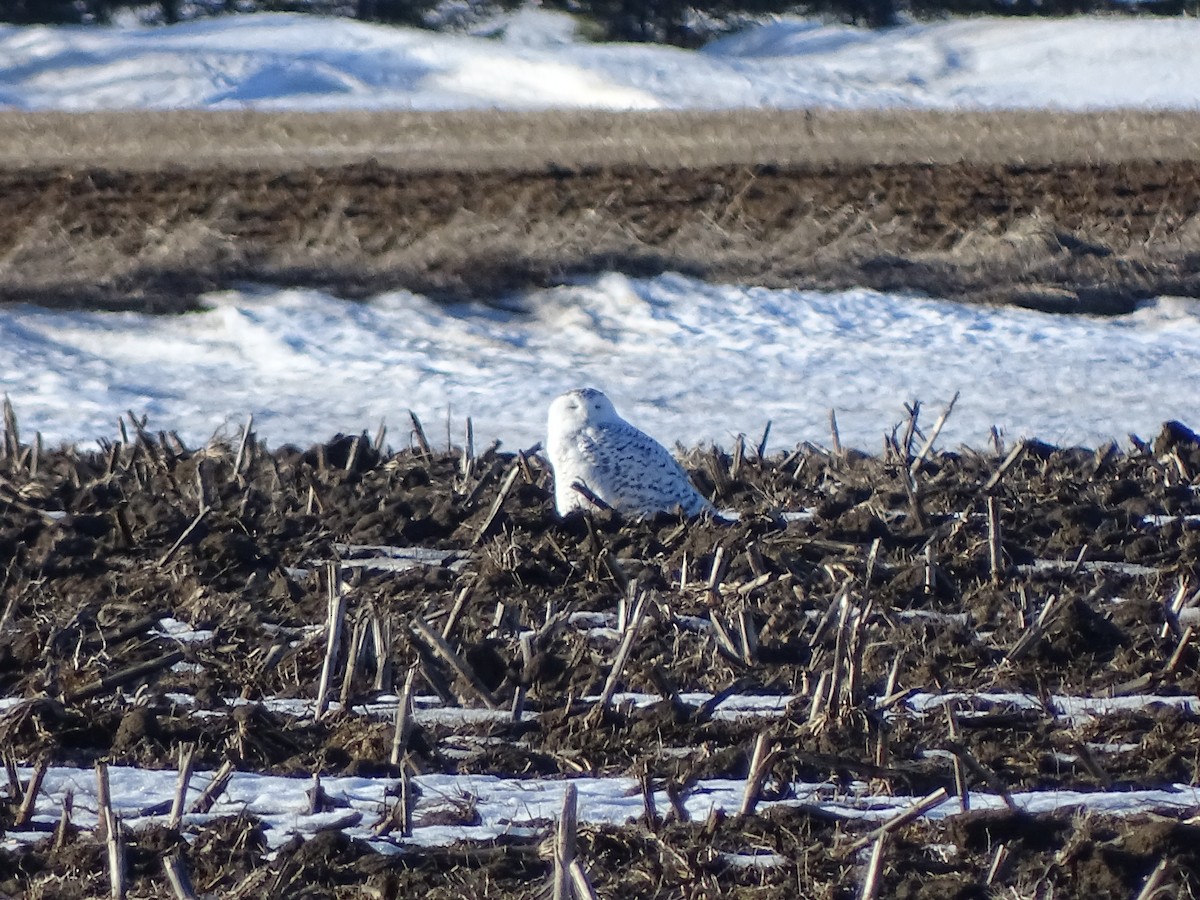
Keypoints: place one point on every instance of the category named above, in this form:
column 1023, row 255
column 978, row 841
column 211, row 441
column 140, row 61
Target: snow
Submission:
column 1069, row 709
column 518, row 806
column 181, row 631
column 532, row 59
column 723, row 360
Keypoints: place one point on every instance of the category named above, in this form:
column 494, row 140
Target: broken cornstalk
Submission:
column 623, row 651
column 334, row 621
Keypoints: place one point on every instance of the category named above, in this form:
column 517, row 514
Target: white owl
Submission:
column 590, row 444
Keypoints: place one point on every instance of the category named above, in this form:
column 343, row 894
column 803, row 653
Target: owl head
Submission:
column 580, row 408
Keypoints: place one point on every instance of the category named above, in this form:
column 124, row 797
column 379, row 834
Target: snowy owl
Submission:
column 590, row 444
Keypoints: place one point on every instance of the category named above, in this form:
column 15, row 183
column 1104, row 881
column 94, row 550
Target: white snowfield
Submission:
column 533, row 60
column 491, row 807
column 683, row 360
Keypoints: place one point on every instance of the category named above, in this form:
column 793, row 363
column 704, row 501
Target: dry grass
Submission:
column 473, row 140
column 147, row 210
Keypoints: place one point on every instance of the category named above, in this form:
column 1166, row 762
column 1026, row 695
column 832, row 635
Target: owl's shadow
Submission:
column 606, row 520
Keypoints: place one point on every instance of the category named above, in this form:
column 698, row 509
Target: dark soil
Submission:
column 1075, row 856
column 98, row 547
column 1094, row 237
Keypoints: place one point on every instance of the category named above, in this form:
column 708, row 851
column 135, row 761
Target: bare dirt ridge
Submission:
column 1051, row 211
column 908, row 574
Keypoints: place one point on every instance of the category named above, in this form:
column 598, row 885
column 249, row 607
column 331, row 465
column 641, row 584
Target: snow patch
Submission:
column 534, row 59
column 723, row 360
